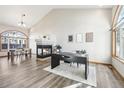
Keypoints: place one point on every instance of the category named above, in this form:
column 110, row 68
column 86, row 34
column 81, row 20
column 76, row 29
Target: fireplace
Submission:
column 44, row 51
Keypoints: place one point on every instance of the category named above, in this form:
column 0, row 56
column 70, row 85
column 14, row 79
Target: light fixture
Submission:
column 22, row 23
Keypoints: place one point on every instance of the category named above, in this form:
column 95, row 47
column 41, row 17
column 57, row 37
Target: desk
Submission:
column 71, row 57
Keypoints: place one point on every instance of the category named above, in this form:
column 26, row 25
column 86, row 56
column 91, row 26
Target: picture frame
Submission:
column 79, row 37
column 70, row 38
column 89, row 37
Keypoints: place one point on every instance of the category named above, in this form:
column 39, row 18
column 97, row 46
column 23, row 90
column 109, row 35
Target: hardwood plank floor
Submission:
column 29, row 73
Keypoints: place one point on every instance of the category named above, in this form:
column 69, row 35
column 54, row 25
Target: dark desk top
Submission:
column 68, row 54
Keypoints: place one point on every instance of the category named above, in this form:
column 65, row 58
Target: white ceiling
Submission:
column 11, row 14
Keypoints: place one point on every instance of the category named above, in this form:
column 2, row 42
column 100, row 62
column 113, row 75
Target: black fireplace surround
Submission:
column 44, row 51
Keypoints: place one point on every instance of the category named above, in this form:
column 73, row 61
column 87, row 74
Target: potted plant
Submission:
column 58, row 48
column 83, row 51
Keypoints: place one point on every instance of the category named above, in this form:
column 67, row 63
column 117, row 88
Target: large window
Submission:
column 120, row 43
column 13, row 40
column 120, row 36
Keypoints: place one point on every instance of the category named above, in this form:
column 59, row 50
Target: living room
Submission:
column 63, row 46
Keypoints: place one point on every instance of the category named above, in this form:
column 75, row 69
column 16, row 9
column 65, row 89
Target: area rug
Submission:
column 75, row 73
column 78, row 85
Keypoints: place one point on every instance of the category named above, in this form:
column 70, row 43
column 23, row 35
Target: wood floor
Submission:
column 27, row 73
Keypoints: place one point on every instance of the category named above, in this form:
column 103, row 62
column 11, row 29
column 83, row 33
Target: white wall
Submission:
column 63, row 22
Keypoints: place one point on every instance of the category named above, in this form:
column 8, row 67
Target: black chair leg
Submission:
column 70, row 64
column 77, row 64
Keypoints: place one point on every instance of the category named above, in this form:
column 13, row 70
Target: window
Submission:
column 13, row 40
column 120, row 43
column 120, row 36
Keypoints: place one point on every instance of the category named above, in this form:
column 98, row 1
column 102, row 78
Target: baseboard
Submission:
column 98, row 62
column 117, row 72
column 33, row 54
column 43, row 59
column 2, row 56
column 7, row 56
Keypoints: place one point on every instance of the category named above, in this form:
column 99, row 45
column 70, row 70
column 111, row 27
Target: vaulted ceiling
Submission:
column 11, row 14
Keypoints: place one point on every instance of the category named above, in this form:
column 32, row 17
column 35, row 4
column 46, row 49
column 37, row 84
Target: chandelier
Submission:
column 22, row 23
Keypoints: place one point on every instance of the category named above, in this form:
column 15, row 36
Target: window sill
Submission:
column 119, row 59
